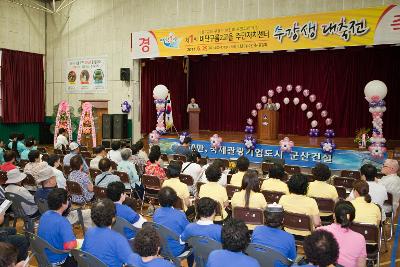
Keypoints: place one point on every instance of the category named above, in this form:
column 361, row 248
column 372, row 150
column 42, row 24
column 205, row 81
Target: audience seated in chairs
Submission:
column 34, row 165
column 75, row 150
column 106, row 176
column 101, row 153
column 110, row 247
column 181, row 189
column 55, row 162
column 276, row 180
column 366, row 211
column 214, row 190
column 62, row 139
column 16, row 143
column 235, row 239
column 127, row 166
column 9, row 236
column 320, row 188
column 249, row 196
column 9, row 158
column 206, row 209
column 352, row 245
column 321, row 249
column 224, row 172
column 82, row 178
column 193, row 169
column 29, row 146
column 136, row 159
column 153, row 166
column 147, row 245
column 157, row 149
column 9, row 256
column 173, row 219
column 56, row 229
column 14, row 185
column 141, row 153
column 377, row 191
column 242, row 164
column 116, row 192
column 298, row 202
column 184, row 149
column 272, row 236
column 391, row 181
column 115, row 153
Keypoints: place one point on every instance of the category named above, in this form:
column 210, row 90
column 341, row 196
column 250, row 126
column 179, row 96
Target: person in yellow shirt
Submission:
column 249, row 195
column 181, row 189
column 242, row 164
column 214, row 190
column 298, row 202
column 366, row 211
column 275, row 182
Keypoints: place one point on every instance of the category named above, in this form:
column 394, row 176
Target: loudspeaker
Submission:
column 45, row 136
column 120, row 126
column 125, row 74
column 107, row 126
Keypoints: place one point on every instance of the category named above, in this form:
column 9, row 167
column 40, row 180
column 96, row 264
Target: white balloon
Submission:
column 303, row 107
column 309, row 114
column 296, row 101
column 286, row 100
column 314, row 123
column 160, row 92
column 375, row 90
column 278, row 106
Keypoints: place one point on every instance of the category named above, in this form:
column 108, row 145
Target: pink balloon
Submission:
column 278, row 106
column 303, row 107
column 264, row 99
column 314, row 123
column 289, row 87
column 298, row 88
column 324, row 113
column 309, row 114
column 278, row 89
column 254, row 113
column 258, row 106
column 318, row 105
column 328, row 121
column 306, row 92
column 270, row 93
column 286, row 100
column 249, row 121
column 296, row 101
column 312, row 98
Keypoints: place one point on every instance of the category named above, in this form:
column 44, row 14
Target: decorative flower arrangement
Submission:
column 329, row 133
column 328, row 146
column 126, row 107
column 86, row 124
column 313, row 132
column 182, row 136
column 363, row 137
column 63, row 120
column 153, row 137
column 286, row 145
column 249, row 142
column 215, row 141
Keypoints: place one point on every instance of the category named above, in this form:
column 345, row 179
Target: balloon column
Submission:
column 375, row 91
column 160, row 93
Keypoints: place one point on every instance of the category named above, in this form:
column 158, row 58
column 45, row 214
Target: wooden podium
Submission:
column 268, row 124
column 194, row 114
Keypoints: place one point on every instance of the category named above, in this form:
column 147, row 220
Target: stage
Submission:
column 305, row 153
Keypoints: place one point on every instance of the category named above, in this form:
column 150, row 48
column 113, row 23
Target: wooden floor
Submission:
column 299, row 140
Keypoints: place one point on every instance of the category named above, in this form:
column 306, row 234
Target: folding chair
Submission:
column 342, row 193
column 388, row 205
column 265, row 167
column 266, row 256
column 202, row 247
column 292, row 169
column 93, row 173
column 121, row 225
column 373, row 237
column 99, row 192
column 151, row 186
column 186, row 179
column 249, row 215
column 86, row 259
column 296, row 221
column 272, row 196
column 346, row 182
column 39, row 247
column 19, row 212
column 166, row 251
column 351, row 174
column 231, row 190
column 42, row 205
column 179, row 157
column 326, row 205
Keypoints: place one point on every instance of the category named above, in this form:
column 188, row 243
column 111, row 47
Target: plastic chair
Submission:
column 166, row 251
column 272, row 196
column 202, row 247
column 248, row 215
column 86, row 259
column 325, row 205
column 19, row 212
column 373, row 237
column 121, row 224
column 38, row 246
column 151, row 186
column 266, row 256
column 296, row 221
column 231, row 190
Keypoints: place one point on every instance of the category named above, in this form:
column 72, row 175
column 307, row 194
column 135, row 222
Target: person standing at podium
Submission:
column 192, row 105
column 269, row 105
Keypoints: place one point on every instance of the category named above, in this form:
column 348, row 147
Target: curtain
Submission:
column 169, row 72
column 228, row 87
column 22, row 87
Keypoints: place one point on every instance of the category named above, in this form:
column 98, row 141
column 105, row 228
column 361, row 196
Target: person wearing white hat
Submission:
column 14, row 179
column 74, row 147
column 46, row 178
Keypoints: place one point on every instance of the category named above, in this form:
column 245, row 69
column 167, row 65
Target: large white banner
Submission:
column 86, row 75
